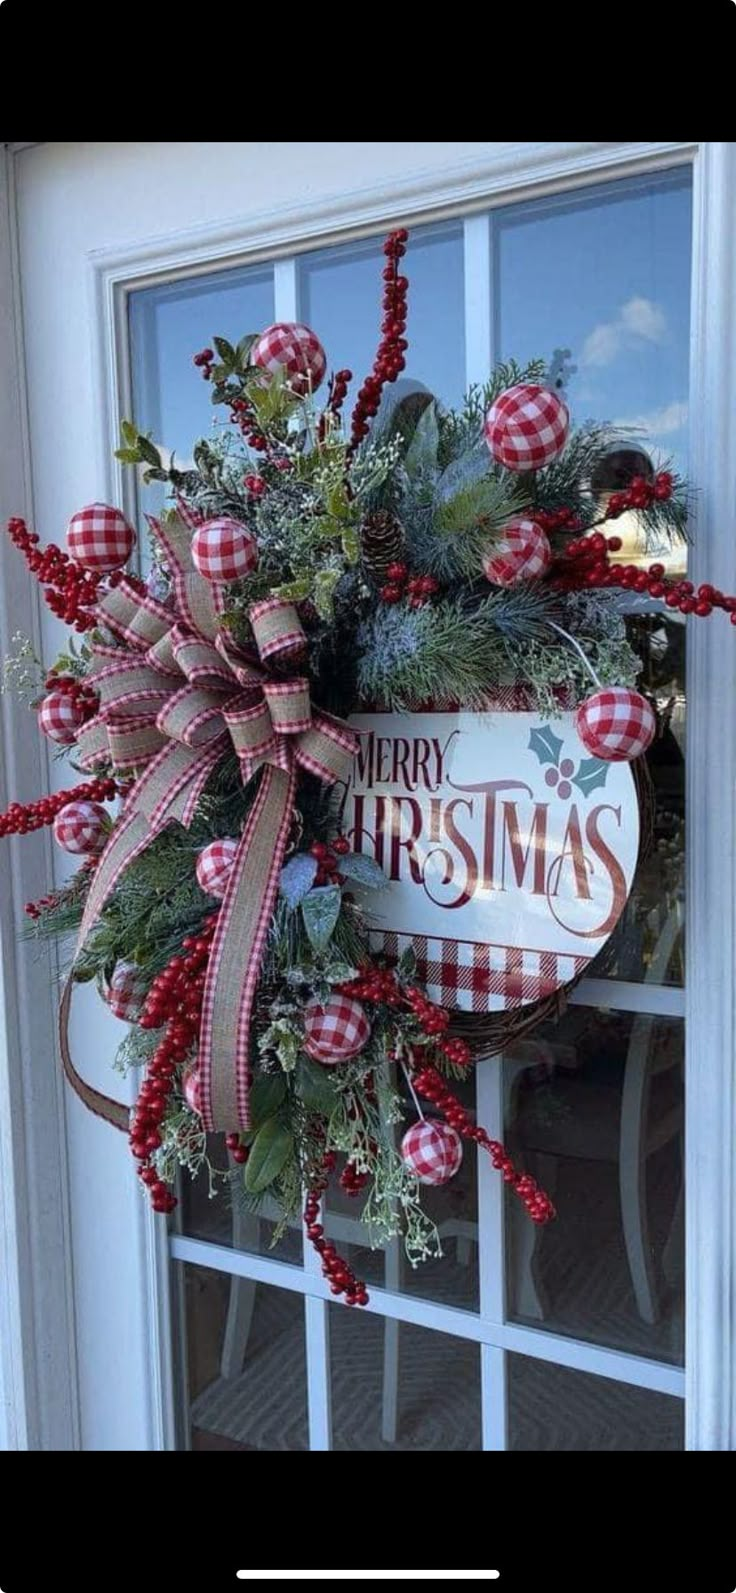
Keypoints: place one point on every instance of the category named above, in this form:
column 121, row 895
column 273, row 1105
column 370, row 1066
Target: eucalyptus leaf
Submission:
column 320, row 911
column 314, row 1086
column 271, row 1148
column 421, row 456
column 297, row 877
column 267, row 1093
column 129, row 433
column 244, row 347
column 363, row 870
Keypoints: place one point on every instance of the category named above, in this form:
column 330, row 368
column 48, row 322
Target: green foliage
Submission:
column 272, row 1146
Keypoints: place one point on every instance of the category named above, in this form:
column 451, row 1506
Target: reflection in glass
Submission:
column 229, row 1216
column 606, row 273
column 551, row 1408
column 339, row 296
column 595, row 1110
column 245, row 1361
column 169, row 324
column 396, row 1386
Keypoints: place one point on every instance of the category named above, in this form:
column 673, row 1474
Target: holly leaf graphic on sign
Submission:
column 591, row 774
column 546, row 744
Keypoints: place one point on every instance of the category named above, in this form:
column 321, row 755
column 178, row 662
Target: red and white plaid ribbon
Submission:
column 174, row 698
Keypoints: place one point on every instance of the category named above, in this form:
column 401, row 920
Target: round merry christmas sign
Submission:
column 509, row 850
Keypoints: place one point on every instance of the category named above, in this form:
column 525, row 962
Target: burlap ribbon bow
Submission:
column 174, row 699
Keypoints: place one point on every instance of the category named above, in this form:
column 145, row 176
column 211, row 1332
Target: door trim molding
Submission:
column 711, row 867
column 38, row 1369
column 519, row 171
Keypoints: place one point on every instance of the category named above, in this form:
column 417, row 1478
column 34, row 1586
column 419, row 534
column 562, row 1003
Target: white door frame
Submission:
column 32, row 1144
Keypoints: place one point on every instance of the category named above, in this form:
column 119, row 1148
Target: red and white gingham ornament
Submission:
column 335, row 1030
column 82, row 827
column 527, row 426
column 521, row 553
column 615, row 724
column 433, row 1150
column 60, row 717
column 214, row 864
column 192, row 1090
column 126, row 991
column 290, row 346
column 100, row 538
column 224, row 550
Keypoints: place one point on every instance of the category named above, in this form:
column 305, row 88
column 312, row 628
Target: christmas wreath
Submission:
column 304, row 570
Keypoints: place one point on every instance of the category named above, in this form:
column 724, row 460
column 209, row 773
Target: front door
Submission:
column 215, row 1336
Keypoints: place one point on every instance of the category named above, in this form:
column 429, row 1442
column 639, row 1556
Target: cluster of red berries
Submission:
column 428, row 1083
column 70, row 591
column 353, row 1181
column 328, row 868
column 22, row 818
column 381, row 986
column 339, row 1273
column 435, row 1021
column 557, row 520
column 339, row 384
column 337, row 394
column 243, row 415
column 237, row 1149
column 204, row 361
column 417, row 589
column 175, row 998
column 389, row 361
column 80, row 692
column 44, row 903
column 375, row 984
column 640, row 494
column 255, row 485
column 586, row 563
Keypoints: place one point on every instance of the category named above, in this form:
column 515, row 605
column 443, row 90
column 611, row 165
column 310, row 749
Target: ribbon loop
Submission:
column 277, row 628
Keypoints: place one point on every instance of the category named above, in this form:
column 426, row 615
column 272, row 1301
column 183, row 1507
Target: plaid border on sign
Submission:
column 477, row 977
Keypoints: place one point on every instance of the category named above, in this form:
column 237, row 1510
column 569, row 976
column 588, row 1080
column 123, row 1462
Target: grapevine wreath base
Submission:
column 305, row 569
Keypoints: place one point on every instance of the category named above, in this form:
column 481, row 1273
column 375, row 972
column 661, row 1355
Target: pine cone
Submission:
column 381, row 541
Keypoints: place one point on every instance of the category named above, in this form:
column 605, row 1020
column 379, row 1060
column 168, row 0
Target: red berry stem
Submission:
column 429, row 1083
column 175, row 998
column 22, row 818
column 339, row 1273
column 417, row 589
column 389, row 361
column 71, row 592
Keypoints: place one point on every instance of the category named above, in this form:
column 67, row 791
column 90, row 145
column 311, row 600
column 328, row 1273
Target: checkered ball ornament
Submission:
column 615, row 724
column 59, row 717
column 100, row 538
column 521, row 554
column 433, row 1150
column 82, row 827
column 214, row 864
column 192, row 1090
column 294, row 348
column 527, row 426
column 224, row 550
column 336, row 1030
column 126, row 991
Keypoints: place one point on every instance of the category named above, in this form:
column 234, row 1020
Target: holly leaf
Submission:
column 592, row 773
column 266, row 1094
column 297, row 878
column 226, row 352
column 363, row 870
column 314, row 1086
column 546, row 744
column 320, row 911
column 271, row 1148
